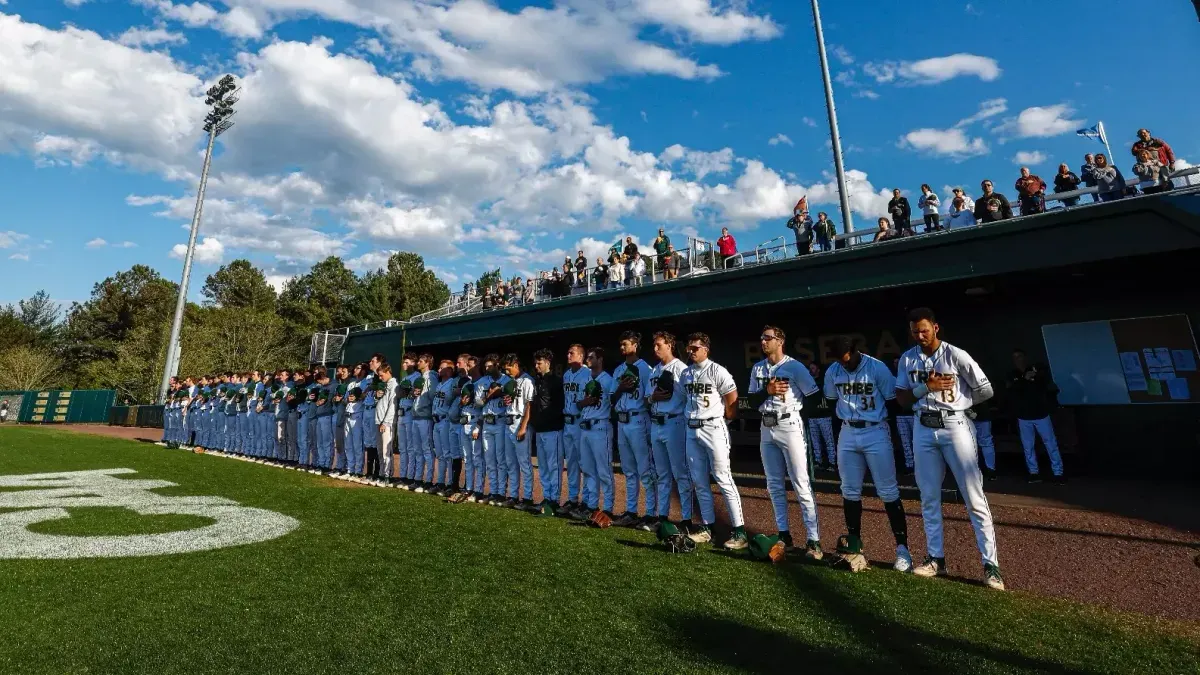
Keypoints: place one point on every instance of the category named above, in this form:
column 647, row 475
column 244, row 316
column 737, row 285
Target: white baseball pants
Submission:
column 1045, row 430
column 595, row 459
column 668, row 444
column 860, row 450
column 784, row 454
column 953, row 446
column 518, row 460
column 633, row 449
column 572, row 441
column 493, row 448
column 708, row 454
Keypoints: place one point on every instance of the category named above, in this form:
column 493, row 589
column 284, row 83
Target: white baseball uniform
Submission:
column 781, row 442
column 708, row 445
column 472, row 448
column 633, row 438
column 517, row 456
column 573, row 383
column 668, row 441
column 420, row 448
column 595, row 448
column 865, row 441
column 493, row 433
column 406, row 438
column 950, row 442
column 442, row 398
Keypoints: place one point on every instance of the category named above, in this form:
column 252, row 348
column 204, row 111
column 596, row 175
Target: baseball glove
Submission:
column 510, row 388
column 593, row 389
column 665, row 382
column 405, row 388
column 764, row 547
column 675, row 540
column 457, row 498
column 849, row 551
column 601, row 519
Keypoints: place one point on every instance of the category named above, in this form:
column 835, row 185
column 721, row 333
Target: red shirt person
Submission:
column 726, row 246
column 1156, row 146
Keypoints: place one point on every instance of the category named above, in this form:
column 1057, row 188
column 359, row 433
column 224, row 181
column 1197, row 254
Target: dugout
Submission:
column 1079, row 290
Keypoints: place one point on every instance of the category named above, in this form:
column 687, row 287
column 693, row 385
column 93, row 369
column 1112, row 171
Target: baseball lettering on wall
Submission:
column 43, row 497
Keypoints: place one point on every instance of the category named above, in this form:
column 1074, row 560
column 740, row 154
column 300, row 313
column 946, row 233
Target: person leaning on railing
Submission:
column 1066, row 181
column 600, row 275
column 1150, row 170
column 1110, row 184
column 1031, row 192
column 885, row 231
column 992, row 206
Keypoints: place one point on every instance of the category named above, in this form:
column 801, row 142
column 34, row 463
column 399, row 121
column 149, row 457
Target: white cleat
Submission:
column 932, row 567
column 904, row 561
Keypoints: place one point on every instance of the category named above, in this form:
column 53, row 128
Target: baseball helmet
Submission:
column 675, row 540
column 767, row 547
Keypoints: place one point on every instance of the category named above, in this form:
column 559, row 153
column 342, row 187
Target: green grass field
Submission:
column 384, row 580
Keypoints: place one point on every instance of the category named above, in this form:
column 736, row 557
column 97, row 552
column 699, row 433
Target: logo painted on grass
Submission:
column 46, row 496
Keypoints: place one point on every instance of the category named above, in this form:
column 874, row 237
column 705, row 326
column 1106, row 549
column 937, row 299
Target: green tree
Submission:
column 319, row 300
column 239, row 285
column 219, row 339
column 373, row 300
column 415, row 289
column 489, row 279
column 13, row 332
column 29, row 368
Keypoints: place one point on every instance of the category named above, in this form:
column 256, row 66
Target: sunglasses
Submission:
column 693, row 348
column 768, row 338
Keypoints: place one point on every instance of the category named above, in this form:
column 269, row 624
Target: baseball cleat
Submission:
column 904, row 561
column 1034, row 478
column 701, row 534
column 625, row 520
column 647, row 524
column 849, row 550
column 786, row 538
column 420, row 489
column 932, row 567
column 1059, row 479
column 991, row 577
column 738, row 540
column 812, row 550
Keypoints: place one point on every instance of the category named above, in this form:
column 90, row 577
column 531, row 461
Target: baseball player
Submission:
column 818, row 424
column 778, row 386
column 940, row 383
column 470, row 432
column 324, row 419
column 405, row 434
column 266, row 416
column 385, row 413
column 633, row 432
column 443, row 398
column 294, row 398
column 575, row 377
column 253, row 392
column 548, row 422
column 352, row 428
column 595, row 438
column 282, row 412
column 862, row 386
column 453, row 460
column 1033, row 396
column 668, row 433
column 370, row 428
column 420, row 450
column 488, row 397
column 169, row 412
column 904, row 425
column 244, row 397
column 517, row 441
column 231, row 410
column 308, row 412
column 711, row 404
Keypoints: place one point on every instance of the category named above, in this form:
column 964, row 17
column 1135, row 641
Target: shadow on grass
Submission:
column 887, row 646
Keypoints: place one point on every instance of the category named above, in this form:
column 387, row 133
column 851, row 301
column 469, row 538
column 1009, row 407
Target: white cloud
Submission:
column 808, row 121
column 125, row 244
column 19, row 256
column 953, row 143
column 150, row 37
column 987, row 109
column 277, row 281
column 867, row 94
column 842, row 55
column 9, row 238
column 68, row 3
column 208, row 251
column 780, row 138
column 1041, row 122
column 96, row 243
column 934, row 70
column 1029, row 157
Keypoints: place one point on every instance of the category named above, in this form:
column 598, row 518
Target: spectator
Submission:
column 726, row 248
column 1066, row 181
column 661, row 244
column 825, row 231
column 616, row 271
column 1031, row 193
column 928, row 203
column 1087, row 173
column 968, row 203
column 960, row 214
column 600, row 275
column 554, row 284
column 1157, row 146
column 518, row 292
column 502, row 295
column 671, row 266
column 1149, row 169
column 580, row 269
column 488, row 300
column 802, row 224
column 992, row 206
column 901, row 213
column 637, row 269
column 530, row 292
column 1110, row 184
column 885, row 231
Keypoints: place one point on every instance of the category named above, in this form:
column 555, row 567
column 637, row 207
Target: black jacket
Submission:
column 901, row 212
column 1032, row 394
column 985, row 215
column 548, row 400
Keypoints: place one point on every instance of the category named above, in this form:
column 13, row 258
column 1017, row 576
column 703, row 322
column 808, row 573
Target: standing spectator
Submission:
column 530, row 292
column 671, row 266
column 901, row 213
column 726, row 248
column 928, row 203
column 1149, row 169
column 1110, row 184
column 801, row 224
column 661, row 244
column 1066, row 181
column 637, row 269
column 600, row 275
column 518, row 291
column 1159, row 147
column 580, row 269
column 885, row 231
column 824, row 231
column 616, row 270
column 627, row 255
column 1087, row 173
column 992, row 206
column 1031, row 192
column 568, row 276
column 960, row 215
column 555, row 283
column 488, row 300
column 968, row 203
column 1033, row 395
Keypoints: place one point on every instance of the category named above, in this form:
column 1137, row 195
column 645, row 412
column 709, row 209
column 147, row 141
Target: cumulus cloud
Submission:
column 1041, row 122
column 96, row 243
column 934, row 70
column 19, row 256
column 1029, row 157
column 780, row 138
column 208, row 251
column 9, row 239
column 150, row 37
column 952, row 143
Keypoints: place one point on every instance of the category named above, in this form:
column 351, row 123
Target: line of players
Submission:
column 476, row 423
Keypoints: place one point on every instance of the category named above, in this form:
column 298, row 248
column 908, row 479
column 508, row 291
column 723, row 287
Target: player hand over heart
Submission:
column 776, row 387
column 939, row 382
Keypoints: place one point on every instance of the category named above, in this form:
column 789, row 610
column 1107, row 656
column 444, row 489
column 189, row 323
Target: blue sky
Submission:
column 483, row 134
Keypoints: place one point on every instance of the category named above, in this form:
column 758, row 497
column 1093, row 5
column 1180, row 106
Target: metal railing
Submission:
column 326, row 346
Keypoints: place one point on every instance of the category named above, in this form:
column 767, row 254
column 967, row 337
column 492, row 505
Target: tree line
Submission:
column 117, row 338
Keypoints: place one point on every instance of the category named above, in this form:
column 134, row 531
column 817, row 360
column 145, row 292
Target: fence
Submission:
column 82, row 406
column 326, row 346
column 136, row 416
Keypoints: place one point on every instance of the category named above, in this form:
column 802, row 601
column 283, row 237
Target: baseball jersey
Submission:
column 706, row 385
column 631, row 401
column 523, row 396
column 861, row 395
column 454, row 409
column 573, row 382
column 351, row 407
column 602, row 410
column 915, row 368
column 385, row 406
column 791, row 372
column 496, row 405
column 422, row 406
column 441, row 398
column 481, row 387
column 406, row 403
column 678, row 400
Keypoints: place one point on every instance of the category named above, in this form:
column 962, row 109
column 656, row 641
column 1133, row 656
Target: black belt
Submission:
column 699, row 423
column 861, row 424
column 662, row 419
column 587, row 425
column 438, row 418
column 426, row 417
column 570, row 419
column 623, row 416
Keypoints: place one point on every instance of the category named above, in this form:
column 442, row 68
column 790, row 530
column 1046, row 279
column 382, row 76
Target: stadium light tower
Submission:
column 833, row 125
column 220, row 99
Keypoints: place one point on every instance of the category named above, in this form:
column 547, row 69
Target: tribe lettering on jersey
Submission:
column 631, row 401
column 496, row 405
column 862, row 394
column 916, row 368
column 678, row 400
column 602, row 410
column 523, row 396
column 790, row 372
column 573, row 383
column 706, row 385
